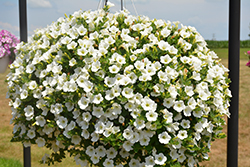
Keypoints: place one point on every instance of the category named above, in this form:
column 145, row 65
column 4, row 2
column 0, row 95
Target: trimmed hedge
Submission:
column 224, row 44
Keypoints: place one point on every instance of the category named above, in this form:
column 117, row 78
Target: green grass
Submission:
column 9, row 163
column 223, row 53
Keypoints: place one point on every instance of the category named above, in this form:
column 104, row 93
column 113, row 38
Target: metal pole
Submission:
column 23, row 37
column 233, row 63
column 121, row 4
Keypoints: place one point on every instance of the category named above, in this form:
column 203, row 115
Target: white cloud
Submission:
column 8, row 27
column 39, row 3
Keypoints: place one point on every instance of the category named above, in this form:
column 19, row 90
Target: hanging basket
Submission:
column 118, row 90
column 4, row 62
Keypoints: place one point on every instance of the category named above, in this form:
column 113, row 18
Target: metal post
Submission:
column 23, row 37
column 233, row 63
column 121, row 4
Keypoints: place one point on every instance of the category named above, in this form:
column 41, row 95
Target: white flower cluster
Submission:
column 118, row 90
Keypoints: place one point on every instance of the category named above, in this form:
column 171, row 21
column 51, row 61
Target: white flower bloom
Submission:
column 144, row 141
column 32, row 85
column 82, row 51
column 69, row 105
column 86, row 116
column 24, row 94
column 82, row 30
column 111, row 153
column 185, row 124
column 164, row 138
column 197, row 113
column 94, row 137
column 179, row 106
column 40, row 120
column 165, row 32
column 62, row 122
column 75, row 139
column 108, row 163
column 40, row 141
column 182, row 134
column 150, row 161
column 98, row 111
column 139, row 124
column 114, row 69
column 95, row 66
column 72, row 45
column 187, row 111
column 160, row 159
column 47, row 129
column 99, row 127
column 95, row 158
column 134, row 163
column 127, row 92
column 71, row 125
column 151, row 116
column 66, row 40
column 164, row 45
column 168, row 102
column 83, row 103
column 127, row 145
column 165, row 59
column 90, row 151
column 148, row 104
column 110, row 82
column 31, row 134
column 198, row 127
column 100, row 151
column 72, row 62
column 29, row 112
column 139, row 65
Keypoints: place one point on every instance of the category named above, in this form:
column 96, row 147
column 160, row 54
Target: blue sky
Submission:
column 209, row 17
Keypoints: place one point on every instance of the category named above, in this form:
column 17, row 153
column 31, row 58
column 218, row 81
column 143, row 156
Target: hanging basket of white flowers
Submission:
column 118, row 90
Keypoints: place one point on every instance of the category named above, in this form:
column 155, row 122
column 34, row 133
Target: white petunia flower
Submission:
column 40, row 141
column 160, row 159
column 86, row 116
column 182, row 134
column 127, row 92
column 139, row 124
column 31, row 134
column 179, row 106
column 151, row 116
column 165, row 59
column 24, row 94
column 97, row 99
column 150, row 161
column 144, row 141
column 164, row 45
column 62, row 122
column 134, row 163
column 40, row 120
column 83, row 103
column 127, row 145
column 99, row 127
column 114, row 69
column 108, row 163
column 111, row 153
column 164, row 138
column 32, row 85
column 29, row 112
column 185, row 124
column 95, row 158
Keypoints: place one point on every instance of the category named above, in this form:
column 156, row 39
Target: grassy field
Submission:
column 14, row 151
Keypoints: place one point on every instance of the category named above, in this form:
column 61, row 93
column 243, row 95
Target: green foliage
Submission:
column 9, row 163
column 224, row 44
